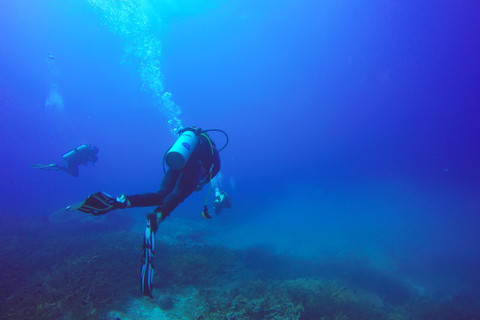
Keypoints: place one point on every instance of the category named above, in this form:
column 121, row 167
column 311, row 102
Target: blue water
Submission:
column 354, row 126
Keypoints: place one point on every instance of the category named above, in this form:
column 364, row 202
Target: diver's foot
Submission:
column 152, row 221
column 123, row 202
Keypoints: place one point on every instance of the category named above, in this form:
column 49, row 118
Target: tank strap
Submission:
column 205, row 210
column 209, row 141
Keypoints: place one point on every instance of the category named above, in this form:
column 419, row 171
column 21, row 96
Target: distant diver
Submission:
column 222, row 200
column 51, row 57
column 193, row 161
column 80, row 155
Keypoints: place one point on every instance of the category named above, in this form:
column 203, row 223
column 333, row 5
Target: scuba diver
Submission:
column 79, row 155
column 222, row 200
column 193, row 161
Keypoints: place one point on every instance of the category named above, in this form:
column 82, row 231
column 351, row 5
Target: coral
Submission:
column 249, row 304
column 78, row 276
column 334, row 300
column 200, row 266
column 61, row 274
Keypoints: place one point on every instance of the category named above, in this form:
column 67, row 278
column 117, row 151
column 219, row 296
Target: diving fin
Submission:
column 48, row 167
column 147, row 271
column 205, row 214
column 99, row 203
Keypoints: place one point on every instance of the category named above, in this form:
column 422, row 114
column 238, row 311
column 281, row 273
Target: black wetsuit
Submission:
column 177, row 185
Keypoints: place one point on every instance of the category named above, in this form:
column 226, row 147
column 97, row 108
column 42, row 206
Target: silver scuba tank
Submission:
column 72, row 154
column 182, row 149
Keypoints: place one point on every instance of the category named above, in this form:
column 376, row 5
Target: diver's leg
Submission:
column 71, row 170
column 187, row 182
column 155, row 198
column 48, row 167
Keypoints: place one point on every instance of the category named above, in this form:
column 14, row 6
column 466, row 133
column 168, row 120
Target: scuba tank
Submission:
column 72, row 155
column 182, row 149
column 177, row 156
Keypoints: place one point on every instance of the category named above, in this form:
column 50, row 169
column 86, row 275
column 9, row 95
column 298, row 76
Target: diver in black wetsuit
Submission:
column 80, row 155
column 177, row 184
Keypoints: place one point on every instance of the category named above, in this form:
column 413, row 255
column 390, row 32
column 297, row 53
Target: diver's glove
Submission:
column 146, row 275
column 101, row 203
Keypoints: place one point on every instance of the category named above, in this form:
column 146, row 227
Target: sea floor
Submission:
column 66, row 267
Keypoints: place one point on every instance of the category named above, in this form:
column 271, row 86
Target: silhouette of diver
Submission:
column 200, row 164
column 80, row 155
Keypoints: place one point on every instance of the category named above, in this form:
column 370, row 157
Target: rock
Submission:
column 166, row 303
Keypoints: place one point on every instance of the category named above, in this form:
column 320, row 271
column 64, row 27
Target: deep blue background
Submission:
column 354, row 126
